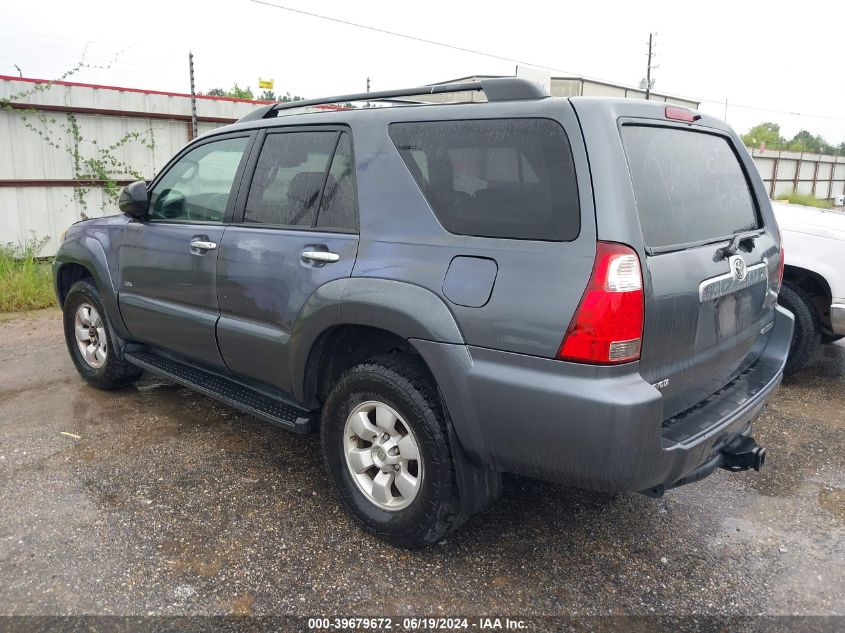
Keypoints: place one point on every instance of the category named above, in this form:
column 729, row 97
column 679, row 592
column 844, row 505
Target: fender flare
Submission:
column 89, row 253
column 407, row 310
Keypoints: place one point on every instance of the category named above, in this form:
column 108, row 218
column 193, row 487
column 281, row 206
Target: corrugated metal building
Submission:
column 569, row 87
column 48, row 129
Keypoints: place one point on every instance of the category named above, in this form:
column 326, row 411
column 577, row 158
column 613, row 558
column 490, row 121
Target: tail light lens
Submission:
column 608, row 326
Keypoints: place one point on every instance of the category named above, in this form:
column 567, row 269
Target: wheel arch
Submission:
column 366, row 310
column 85, row 257
column 815, row 286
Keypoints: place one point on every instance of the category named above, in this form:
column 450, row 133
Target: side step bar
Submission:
column 227, row 391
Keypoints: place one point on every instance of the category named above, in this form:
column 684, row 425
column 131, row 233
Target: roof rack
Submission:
column 496, row 89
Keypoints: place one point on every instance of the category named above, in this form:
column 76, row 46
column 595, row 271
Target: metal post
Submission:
column 648, row 70
column 773, row 185
column 193, row 97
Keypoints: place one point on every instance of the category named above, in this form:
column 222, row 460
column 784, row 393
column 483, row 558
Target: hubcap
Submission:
column 90, row 335
column 382, row 455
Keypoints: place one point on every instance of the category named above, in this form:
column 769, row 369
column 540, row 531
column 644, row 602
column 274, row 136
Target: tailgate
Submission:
column 708, row 304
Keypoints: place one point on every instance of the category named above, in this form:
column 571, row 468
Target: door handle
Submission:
column 203, row 245
column 320, row 256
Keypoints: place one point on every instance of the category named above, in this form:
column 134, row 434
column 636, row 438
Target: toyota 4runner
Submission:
column 581, row 290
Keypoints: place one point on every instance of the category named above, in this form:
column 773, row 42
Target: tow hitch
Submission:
column 743, row 454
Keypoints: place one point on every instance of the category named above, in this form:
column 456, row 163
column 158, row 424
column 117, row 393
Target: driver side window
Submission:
column 197, row 187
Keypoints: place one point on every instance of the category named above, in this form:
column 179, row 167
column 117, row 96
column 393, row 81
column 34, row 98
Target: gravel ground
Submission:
column 155, row 500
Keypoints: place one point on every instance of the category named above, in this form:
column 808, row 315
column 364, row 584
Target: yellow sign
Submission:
column 265, row 84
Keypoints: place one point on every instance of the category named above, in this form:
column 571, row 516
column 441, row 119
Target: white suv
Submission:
column 814, row 277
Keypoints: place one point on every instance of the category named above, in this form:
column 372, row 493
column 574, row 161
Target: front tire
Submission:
column 806, row 336
column 386, row 450
column 90, row 342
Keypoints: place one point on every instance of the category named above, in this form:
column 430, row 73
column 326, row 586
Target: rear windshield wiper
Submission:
column 736, row 241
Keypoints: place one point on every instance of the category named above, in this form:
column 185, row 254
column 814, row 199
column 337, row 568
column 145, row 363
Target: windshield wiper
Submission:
column 736, row 241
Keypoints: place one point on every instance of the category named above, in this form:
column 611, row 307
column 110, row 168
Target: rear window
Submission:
column 689, row 186
column 506, row 178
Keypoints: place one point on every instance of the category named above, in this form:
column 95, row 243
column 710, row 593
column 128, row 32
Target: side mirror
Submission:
column 134, row 200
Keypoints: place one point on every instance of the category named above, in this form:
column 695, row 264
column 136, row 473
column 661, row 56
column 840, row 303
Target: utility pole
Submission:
column 648, row 70
column 193, row 96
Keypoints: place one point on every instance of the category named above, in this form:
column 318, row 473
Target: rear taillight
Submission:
column 608, row 326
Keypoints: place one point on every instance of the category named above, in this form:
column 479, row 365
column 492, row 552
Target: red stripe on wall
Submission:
column 34, row 182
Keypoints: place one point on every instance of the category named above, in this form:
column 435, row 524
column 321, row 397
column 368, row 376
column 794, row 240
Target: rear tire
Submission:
column 89, row 341
column 394, row 386
column 806, row 336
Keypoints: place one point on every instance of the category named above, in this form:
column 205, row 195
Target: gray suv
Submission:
column 580, row 290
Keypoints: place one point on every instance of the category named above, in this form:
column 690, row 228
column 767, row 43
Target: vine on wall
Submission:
column 95, row 165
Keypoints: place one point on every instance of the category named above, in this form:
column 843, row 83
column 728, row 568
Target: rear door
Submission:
column 709, row 303
column 296, row 229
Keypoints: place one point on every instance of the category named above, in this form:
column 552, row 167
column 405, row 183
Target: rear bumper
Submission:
column 599, row 428
column 837, row 318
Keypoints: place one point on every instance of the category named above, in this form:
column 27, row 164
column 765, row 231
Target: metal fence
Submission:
column 785, row 172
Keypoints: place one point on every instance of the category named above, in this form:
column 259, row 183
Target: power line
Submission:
column 463, row 49
column 773, row 111
column 409, row 37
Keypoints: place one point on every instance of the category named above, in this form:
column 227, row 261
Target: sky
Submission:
column 772, row 60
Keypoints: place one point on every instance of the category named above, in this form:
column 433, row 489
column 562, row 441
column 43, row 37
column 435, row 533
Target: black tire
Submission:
column 403, row 383
column 830, row 338
column 115, row 373
column 806, row 336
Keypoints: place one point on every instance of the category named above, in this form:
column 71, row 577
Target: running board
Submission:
column 227, row 391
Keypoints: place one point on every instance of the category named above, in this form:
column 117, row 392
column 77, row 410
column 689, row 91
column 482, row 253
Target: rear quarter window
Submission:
column 503, row 178
column 689, row 186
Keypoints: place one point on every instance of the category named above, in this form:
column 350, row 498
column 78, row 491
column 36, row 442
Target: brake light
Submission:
column 681, row 114
column 608, row 326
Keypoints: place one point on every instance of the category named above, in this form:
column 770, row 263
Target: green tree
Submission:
column 767, row 133
column 236, row 92
column 804, row 141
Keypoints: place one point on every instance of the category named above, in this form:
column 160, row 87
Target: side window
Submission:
column 197, row 187
column 506, row 178
column 338, row 210
column 288, row 178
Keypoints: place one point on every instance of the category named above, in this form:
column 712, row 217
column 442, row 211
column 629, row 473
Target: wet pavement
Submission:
column 155, row 500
